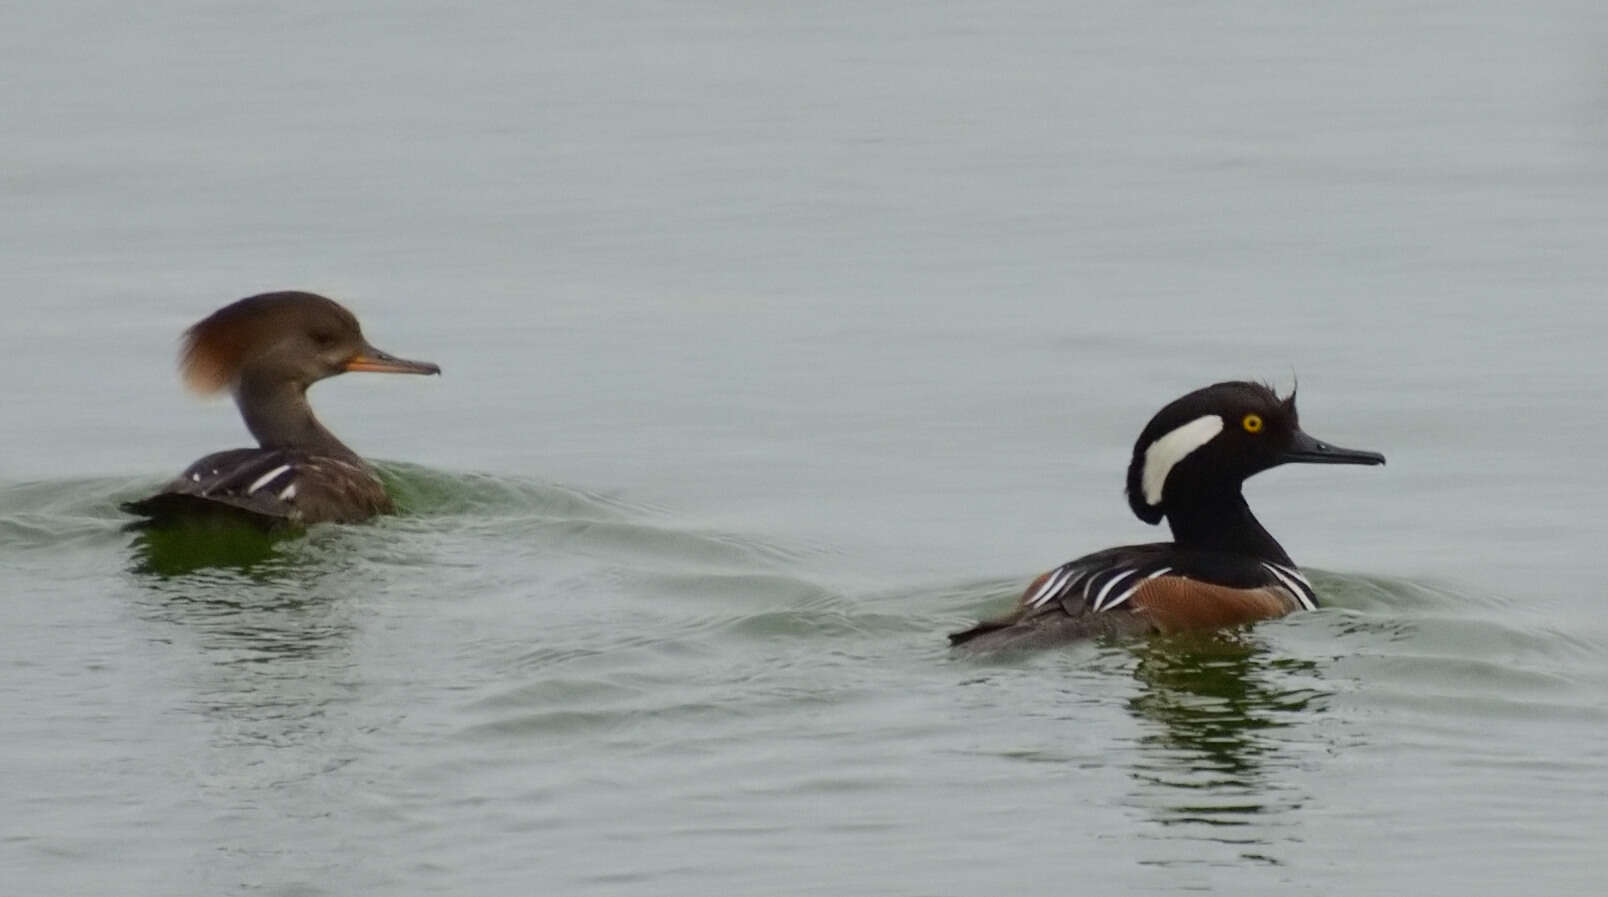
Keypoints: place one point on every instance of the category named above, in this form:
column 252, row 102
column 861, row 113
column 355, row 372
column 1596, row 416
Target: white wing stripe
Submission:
column 1099, row 600
column 1073, row 582
column 1061, row 580
column 1123, row 596
column 267, row 478
column 1128, row 592
column 1051, row 582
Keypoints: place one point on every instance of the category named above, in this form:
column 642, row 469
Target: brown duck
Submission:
column 267, row 350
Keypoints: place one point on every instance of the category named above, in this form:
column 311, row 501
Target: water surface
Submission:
column 777, row 343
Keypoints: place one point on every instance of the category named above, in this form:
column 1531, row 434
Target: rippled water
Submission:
column 778, row 343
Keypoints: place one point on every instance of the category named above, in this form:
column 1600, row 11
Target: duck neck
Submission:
column 1222, row 521
column 277, row 413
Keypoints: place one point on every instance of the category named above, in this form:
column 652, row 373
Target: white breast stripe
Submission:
column 1306, row 584
column 1099, row 600
column 1304, row 595
column 267, row 478
column 1295, row 573
column 1164, row 454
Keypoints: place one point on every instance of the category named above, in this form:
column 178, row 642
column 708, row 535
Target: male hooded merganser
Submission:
column 1222, row 568
column 268, row 350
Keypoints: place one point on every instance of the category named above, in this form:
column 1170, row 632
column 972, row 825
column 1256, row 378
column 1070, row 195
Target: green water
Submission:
column 513, row 676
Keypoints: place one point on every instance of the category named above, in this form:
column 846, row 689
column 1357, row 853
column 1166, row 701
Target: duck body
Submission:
column 1141, row 590
column 271, row 488
column 1222, row 567
column 267, row 350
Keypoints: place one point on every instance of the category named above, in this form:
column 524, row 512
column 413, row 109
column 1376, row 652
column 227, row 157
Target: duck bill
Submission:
column 374, row 361
column 1306, row 450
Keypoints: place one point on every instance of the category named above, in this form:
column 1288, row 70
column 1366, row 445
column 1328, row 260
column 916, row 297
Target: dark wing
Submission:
column 1144, row 588
column 1099, row 581
column 268, row 487
column 1110, row 579
column 1062, row 604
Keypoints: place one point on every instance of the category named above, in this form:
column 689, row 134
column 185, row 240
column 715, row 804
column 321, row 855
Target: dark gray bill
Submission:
column 1306, row 450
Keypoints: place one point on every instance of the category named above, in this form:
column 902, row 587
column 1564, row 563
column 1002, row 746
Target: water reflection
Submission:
column 263, row 653
column 1222, row 715
column 175, row 551
column 264, row 642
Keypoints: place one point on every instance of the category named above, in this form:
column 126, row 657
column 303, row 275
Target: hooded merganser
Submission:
column 1222, row 568
column 268, row 350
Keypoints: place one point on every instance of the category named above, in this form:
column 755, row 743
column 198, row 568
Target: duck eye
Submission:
column 324, row 340
column 1252, row 423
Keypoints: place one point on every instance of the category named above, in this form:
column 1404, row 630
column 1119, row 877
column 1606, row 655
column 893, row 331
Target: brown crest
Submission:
column 215, row 349
column 213, row 352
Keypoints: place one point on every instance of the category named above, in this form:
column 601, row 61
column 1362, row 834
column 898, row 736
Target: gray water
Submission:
column 780, row 340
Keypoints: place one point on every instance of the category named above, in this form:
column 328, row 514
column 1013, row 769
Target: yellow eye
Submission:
column 1252, row 423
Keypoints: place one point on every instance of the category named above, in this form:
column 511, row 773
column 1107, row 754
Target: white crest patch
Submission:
column 1165, row 453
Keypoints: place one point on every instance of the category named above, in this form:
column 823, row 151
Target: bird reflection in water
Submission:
column 261, row 628
column 220, row 544
column 1225, row 719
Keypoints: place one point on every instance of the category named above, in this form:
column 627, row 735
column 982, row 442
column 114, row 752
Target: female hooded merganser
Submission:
column 268, row 350
column 1222, row 567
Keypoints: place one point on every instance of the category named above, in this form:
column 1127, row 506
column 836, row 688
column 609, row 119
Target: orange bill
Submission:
column 374, row 361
